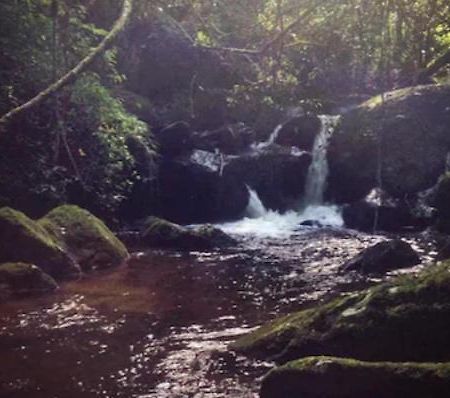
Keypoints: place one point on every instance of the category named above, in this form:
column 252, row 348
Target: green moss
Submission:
column 330, row 377
column 402, row 320
column 84, row 236
column 21, row 278
column 162, row 233
column 22, row 239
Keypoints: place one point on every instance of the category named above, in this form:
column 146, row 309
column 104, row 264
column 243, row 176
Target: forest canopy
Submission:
column 206, row 62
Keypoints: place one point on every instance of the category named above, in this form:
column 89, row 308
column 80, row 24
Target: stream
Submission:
column 159, row 325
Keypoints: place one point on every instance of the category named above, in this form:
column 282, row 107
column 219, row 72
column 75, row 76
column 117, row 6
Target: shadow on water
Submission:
column 159, row 325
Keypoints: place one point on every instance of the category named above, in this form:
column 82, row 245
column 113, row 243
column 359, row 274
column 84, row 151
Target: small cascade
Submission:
column 318, row 170
column 272, row 138
column 255, row 207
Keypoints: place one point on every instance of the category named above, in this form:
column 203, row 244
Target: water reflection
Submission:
column 159, row 326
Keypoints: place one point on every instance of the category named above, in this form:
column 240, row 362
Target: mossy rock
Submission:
column 405, row 319
column 24, row 240
column 328, row 377
column 382, row 257
column 164, row 234
column 405, row 133
column 85, row 237
column 17, row 279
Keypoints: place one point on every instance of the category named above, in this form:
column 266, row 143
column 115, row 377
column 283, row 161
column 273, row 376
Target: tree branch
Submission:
column 73, row 74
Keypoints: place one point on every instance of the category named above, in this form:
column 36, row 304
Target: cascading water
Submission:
column 318, row 170
column 259, row 221
column 271, row 140
column 255, row 208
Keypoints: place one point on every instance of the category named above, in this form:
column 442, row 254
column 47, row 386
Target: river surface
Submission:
column 159, row 325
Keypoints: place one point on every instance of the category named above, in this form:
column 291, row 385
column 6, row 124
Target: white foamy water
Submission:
column 260, row 222
column 318, row 170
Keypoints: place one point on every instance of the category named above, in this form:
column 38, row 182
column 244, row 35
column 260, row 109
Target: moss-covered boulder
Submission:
column 405, row 133
column 24, row 240
column 85, row 237
column 328, row 377
column 405, row 319
column 382, row 257
column 164, row 234
column 18, row 279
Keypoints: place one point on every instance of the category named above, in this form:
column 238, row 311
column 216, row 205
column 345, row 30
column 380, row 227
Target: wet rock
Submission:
column 299, row 132
column 85, row 237
column 164, row 234
column 17, row 279
column 191, row 193
column 229, row 139
column 378, row 211
column 383, row 257
column 406, row 134
column 277, row 175
column 175, row 139
column 442, row 203
column 403, row 320
column 328, row 377
column 311, row 223
column 24, row 240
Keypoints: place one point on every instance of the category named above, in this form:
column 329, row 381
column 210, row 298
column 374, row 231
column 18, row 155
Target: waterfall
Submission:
column 271, row 140
column 255, row 207
column 318, row 170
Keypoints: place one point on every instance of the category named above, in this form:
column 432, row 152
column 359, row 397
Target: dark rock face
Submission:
column 193, row 193
column 299, row 132
column 383, row 257
column 278, row 176
column 229, row 139
column 328, row 377
column 175, row 139
column 164, row 234
column 442, row 203
column 407, row 134
column 17, row 279
column 403, row 320
column 366, row 216
column 380, row 211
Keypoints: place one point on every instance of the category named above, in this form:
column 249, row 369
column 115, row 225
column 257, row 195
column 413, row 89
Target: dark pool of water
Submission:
column 159, row 325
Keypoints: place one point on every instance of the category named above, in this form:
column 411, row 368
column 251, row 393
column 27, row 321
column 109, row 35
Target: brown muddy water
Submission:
column 159, row 325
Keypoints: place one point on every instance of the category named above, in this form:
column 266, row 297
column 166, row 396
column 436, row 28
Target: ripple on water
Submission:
column 160, row 326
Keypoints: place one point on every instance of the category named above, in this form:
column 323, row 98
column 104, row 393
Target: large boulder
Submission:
column 328, row 377
column 164, row 234
column 24, row 240
column 403, row 320
column 378, row 211
column 382, row 257
column 175, row 139
column 194, row 190
column 85, row 237
column 402, row 139
column 17, row 279
column 277, row 174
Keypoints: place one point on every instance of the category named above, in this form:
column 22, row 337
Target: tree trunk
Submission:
column 73, row 74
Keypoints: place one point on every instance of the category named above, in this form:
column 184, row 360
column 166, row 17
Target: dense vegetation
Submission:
column 218, row 61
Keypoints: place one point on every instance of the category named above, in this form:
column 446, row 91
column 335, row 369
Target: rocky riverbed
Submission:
column 159, row 325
